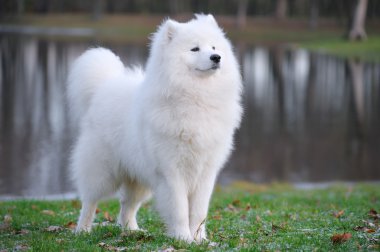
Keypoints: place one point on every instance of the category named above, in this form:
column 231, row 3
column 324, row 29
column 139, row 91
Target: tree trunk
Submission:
column 314, row 13
column 98, row 8
column 357, row 31
column 20, row 7
column 281, row 9
column 241, row 18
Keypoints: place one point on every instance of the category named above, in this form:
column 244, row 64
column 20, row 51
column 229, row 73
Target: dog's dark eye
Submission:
column 195, row 49
column 213, row 48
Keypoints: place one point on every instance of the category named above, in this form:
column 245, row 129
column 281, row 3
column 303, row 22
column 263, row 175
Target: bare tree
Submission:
column 357, row 31
column 281, row 9
column 314, row 13
column 20, row 7
column 241, row 18
column 98, row 9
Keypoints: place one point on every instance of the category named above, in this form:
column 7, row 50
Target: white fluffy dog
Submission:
column 167, row 130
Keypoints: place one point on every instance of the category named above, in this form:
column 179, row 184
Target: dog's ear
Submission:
column 208, row 18
column 211, row 19
column 170, row 29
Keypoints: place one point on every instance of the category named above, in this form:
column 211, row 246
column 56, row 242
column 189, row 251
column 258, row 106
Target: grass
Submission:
column 243, row 217
column 264, row 31
column 367, row 50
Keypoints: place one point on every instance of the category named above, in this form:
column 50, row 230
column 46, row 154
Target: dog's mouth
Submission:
column 213, row 67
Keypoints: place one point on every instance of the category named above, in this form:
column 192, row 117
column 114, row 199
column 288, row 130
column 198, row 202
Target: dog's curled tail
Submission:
column 93, row 68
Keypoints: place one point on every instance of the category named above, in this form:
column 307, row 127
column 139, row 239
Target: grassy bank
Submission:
column 244, row 217
column 263, row 31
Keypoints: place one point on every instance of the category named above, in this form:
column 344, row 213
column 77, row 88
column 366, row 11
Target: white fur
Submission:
column 167, row 131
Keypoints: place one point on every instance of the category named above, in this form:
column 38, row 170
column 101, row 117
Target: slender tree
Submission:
column 314, row 13
column 241, row 18
column 98, row 9
column 281, row 9
column 357, row 31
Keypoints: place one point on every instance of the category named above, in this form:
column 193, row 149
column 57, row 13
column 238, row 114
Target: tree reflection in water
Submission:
column 308, row 117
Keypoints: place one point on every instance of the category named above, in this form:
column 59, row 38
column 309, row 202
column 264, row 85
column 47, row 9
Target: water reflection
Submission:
column 308, row 117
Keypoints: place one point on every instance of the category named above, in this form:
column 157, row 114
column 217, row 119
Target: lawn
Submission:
column 328, row 37
column 242, row 216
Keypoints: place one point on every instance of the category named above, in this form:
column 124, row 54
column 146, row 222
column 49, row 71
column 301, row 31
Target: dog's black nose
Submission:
column 215, row 58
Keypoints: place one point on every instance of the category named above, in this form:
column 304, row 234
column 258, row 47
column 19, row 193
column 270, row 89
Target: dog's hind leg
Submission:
column 92, row 172
column 132, row 195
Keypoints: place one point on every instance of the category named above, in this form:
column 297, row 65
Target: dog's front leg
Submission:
column 172, row 204
column 199, row 202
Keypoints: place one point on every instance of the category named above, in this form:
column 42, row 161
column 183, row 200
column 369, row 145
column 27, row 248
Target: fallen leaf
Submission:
column 170, row 249
column 71, row 225
column 359, row 228
column 373, row 246
column 97, row 210
column 340, row 238
column 258, row 219
column 369, row 230
column 22, row 232
column 338, row 214
column 4, row 226
column 75, row 204
column 275, row 228
column 230, row 207
column 102, row 244
column 22, row 247
column 53, row 229
column 107, row 235
column 59, row 241
column 236, row 202
column 248, row 207
column 107, row 216
column 217, row 217
column 373, row 214
column 48, row 212
column 364, row 229
column 268, row 212
column 7, row 218
column 123, row 234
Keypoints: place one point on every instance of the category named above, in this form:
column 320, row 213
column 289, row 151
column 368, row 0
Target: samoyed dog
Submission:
column 165, row 131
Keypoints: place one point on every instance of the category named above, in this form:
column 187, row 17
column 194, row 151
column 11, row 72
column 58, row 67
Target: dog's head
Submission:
column 198, row 47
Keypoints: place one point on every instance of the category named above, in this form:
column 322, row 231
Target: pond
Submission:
column 309, row 117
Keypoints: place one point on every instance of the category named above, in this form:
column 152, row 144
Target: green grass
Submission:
column 263, row 31
column 244, row 217
column 366, row 50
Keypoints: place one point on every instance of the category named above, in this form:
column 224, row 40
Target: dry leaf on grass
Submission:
column 364, row 229
column 71, row 225
column 53, row 228
column 107, row 216
column 170, row 249
column 22, row 232
column 7, row 218
column 340, row 238
column 76, row 204
column 110, row 247
column 48, row 212
column 248, row 207
column 338, row 214
column 22, row 247
column 373, row 214
column 236, row 202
